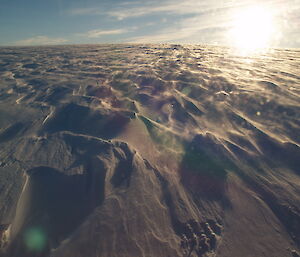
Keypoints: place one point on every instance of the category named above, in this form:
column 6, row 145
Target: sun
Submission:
column 252, row 29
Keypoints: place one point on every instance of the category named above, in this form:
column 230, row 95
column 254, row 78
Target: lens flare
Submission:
column 35, row 239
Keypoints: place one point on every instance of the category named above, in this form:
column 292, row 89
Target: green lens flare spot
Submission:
column 35, row 239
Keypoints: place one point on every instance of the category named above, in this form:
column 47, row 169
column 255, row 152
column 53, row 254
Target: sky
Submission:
column 56, row 22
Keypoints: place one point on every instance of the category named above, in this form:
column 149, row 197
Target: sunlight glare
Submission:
column 252, row 29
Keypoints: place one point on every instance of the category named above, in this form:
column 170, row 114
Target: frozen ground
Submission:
column 149, row 150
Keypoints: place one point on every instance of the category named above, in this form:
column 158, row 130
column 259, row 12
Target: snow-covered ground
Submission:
column 129, row 150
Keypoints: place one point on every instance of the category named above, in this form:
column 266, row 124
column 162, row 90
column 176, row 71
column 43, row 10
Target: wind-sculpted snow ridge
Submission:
column 149, row 150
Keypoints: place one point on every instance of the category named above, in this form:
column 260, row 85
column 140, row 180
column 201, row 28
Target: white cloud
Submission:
column 183, row 7
column 96, row 33
column 85, row 11
column 179, row 7
column 40, row 40
column 129, row 10
column 136, row 9
column 197, row 29
column 207, row 21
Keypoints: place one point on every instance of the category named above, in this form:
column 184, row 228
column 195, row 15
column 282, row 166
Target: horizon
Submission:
column 141, row 43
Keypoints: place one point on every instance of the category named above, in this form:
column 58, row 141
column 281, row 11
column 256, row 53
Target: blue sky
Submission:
column 39, row 22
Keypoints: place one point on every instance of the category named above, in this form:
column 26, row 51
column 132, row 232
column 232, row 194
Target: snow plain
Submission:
column 137, row 150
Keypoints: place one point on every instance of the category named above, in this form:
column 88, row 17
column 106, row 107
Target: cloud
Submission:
column 183, row 7
column 189, row 34
column 96, row 33
column 204, row 28
column 205, row 24
column 84, row 11
column 187, row 7
column 136, row 9
column 129, row 10
column 40, row 40
column 189, row 21
column 162, row 7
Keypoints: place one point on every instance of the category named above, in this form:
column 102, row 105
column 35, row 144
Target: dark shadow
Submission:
column 38, row 84
column 277, row 153
column 123, row 170
column 204, row 168
column 99, row 91
column 56, row 205
column 30, row 66
column 84, row 120
column 10, row 132
column 55, row 95
column 122, row 174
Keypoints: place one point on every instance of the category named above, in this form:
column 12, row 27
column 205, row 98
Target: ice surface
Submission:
column 149, row 150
